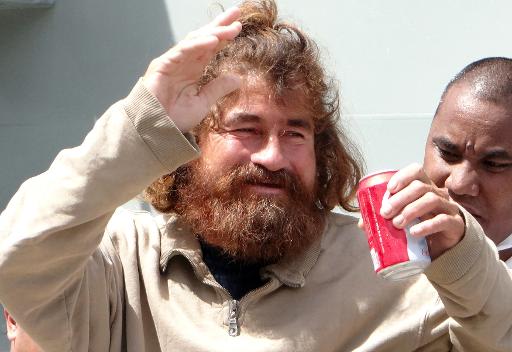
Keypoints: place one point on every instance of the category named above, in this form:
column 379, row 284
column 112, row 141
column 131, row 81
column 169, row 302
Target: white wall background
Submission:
column 392, row 58
column 61, row 67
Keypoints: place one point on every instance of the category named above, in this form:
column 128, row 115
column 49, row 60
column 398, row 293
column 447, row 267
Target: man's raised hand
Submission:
column 173, row 76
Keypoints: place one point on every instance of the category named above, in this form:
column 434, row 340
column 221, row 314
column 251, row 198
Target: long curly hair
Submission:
column 289, row 62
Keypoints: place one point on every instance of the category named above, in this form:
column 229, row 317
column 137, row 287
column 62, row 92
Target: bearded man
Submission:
column 246, row 254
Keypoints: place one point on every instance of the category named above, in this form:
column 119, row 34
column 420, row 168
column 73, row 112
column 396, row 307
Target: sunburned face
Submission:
column 252, row 192
column 257, row 131
column 469, row 151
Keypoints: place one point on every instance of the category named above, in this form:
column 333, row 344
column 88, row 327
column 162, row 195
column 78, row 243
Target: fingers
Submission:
column 405, row 176
column 447, row 230
column 225, row 26
column 194, row 49
column 404, row 187
column 201, row 45
column 179, row 67
column 428, row 206
column 227, row 17
column 442, row 222
column 412, row 197
column 408, row 197
column 228, row 32
column 219, row 87
column 415, row 202
column 185, row 62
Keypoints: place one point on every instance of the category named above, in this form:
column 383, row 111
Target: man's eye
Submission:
column 246, row 130
column 293, row 134
column 448, row 156
column 494, row 166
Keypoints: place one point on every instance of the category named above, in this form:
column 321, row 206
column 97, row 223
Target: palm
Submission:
column 180, row 94
column 172, row 78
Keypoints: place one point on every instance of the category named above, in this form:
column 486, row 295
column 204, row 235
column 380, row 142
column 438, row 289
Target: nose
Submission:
column 270, row 155
column 463, row 180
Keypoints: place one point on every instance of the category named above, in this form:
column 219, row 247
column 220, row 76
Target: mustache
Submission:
column 256, row 174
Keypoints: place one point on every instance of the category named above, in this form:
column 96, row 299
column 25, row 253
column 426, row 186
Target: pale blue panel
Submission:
column 24, row 4
column 4, row 343
column 60, row 68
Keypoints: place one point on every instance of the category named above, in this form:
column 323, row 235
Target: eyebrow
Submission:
column 445, row 143
column 242, row 117
column 497, row 153
column 299, row 123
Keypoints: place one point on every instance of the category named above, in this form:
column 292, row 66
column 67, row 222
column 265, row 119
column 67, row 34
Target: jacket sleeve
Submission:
column 52, row 227
column 476, row 290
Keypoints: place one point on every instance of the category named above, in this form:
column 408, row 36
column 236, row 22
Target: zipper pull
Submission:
column 233, row 318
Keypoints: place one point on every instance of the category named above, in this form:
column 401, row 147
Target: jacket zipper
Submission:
column 234, row 305
column 233, row 327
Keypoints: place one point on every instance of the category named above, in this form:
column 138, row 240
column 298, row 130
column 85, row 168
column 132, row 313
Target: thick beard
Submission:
column 247, row 226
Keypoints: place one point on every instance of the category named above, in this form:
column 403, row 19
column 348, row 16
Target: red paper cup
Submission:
column 395, row 253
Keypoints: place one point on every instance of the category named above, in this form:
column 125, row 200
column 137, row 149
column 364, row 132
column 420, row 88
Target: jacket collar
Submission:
column 178, row 240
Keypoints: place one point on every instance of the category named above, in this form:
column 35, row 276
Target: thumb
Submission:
column 220, row 87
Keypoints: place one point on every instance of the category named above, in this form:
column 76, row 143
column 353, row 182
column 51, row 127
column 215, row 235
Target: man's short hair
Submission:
column 489, row 79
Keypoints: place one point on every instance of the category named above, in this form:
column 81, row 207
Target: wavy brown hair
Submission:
column 289, row 62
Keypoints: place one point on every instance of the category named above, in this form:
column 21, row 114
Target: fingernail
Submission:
column 385, row 209
column 398, row 221
column 415, row 230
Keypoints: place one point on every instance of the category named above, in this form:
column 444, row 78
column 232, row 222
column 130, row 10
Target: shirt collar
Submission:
column 178, row 239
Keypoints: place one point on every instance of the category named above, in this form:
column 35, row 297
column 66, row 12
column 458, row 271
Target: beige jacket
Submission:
column 80, row 276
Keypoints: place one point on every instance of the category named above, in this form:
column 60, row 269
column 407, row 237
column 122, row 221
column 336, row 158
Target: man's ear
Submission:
column 12, row 327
